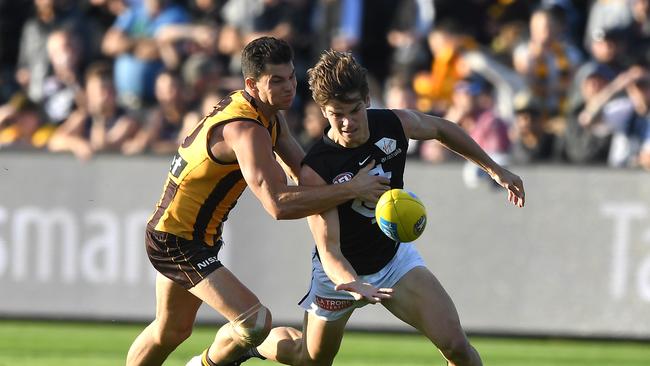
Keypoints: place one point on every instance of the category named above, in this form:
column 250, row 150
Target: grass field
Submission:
column 90, row 344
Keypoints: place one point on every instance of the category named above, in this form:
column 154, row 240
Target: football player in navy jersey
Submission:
column 354, row 263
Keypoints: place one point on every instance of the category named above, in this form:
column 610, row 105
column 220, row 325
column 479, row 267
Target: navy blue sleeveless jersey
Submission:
column 363, row 244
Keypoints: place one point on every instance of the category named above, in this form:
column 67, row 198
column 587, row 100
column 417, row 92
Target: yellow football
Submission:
column 401, row 215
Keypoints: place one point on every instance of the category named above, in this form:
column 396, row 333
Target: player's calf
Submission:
column 170, row 335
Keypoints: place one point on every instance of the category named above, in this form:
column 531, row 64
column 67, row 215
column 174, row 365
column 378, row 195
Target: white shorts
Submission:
column 328, row 304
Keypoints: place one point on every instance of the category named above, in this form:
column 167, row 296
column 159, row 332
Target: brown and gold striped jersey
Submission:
column 200, row 190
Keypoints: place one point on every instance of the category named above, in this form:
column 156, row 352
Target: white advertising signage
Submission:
column 575, row 261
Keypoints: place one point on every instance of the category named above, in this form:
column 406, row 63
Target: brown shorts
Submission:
column 186, row 262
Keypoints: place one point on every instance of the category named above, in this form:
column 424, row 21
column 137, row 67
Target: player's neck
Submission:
column 265, row 109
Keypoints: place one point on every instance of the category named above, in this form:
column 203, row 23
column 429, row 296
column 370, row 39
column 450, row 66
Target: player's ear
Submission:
column 367, row 101
column 322, row 110
column 251, row 84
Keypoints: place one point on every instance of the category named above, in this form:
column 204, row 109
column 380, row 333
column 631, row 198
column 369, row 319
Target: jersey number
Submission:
column 223, row 103
column 365, row 208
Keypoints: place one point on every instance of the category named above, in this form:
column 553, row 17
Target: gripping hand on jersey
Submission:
column 368, row 188
column 365, row 291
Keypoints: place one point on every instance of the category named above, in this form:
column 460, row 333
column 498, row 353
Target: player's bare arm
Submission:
column 420, row 126
column 251, row 145
column 289, row 150
column 326, row 232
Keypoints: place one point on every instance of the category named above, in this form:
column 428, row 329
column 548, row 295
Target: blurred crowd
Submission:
column 531, row 81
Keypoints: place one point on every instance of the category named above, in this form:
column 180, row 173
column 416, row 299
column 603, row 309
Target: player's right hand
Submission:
column 365, row 291
column 367, row 187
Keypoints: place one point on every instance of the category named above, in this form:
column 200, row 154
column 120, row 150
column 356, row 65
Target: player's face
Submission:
column 277, row 86
column 349, row 122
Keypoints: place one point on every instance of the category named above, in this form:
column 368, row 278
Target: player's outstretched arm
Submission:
column 252, row 147
column 420, row 126
column 326, row 232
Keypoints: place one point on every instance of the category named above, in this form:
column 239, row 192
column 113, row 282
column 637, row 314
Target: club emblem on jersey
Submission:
column 387, row 145
column 178, row 164
column 342, row 178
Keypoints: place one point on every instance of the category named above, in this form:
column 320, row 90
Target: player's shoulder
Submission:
column 381, row 113
column 318, row 149
column 383, row 121
column 238, row 105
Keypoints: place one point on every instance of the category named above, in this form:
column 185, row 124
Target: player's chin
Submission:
column 285, row 103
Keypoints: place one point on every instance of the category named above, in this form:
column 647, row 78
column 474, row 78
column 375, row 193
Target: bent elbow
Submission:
column 276, row 211
column 284, row 214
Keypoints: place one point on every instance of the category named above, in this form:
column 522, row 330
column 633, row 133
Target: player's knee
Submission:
column 172, row 335
column 253, row 326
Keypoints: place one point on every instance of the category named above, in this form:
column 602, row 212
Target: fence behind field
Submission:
column 575, row 261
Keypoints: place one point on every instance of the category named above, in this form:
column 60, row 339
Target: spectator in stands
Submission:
column 473, row 109
column 131, row 40
column 407, row 35
column 629, row 119
column 587, row 137
column 179, row 42
column 434, row 88
column 639, row 31
column 399, row 94
column 508, row 36
column 606, row 14
column 531, row 141
column 99, row 124
column 13, row 14
column 547, row 62
column 33, row 63
column 621, row 109
column 313, row 125
column 160, row 133
column 192, row 118
column 608, row 48
column 201, row 75
column 19, row 119
column 103, row 13
column 61, row 91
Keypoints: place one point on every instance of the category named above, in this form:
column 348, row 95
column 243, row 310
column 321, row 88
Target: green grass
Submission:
column 25, row 343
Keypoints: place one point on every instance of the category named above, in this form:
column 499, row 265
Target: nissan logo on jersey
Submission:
column 342, row 178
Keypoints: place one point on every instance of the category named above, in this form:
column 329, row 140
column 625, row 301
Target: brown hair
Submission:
column 336, row 76
column 262, row 51
column 100, row 70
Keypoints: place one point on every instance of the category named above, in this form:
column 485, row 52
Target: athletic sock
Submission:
column 253, row 352
column 205, row 358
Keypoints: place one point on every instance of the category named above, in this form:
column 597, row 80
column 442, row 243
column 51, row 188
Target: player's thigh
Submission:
column 225, row 293
column 176, row 308
column 322, row 339
column 420, row 300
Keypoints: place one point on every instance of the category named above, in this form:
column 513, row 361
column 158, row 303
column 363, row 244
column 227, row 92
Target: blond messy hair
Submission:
column 337, row 76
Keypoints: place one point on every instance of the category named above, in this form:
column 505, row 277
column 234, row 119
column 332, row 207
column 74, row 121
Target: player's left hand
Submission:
column 513, row 184
column 365, row 291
